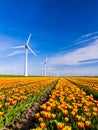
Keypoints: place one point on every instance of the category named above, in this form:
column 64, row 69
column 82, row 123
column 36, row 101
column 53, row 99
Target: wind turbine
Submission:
column 51, row 69
column 49, row 66
column 27, row 47
column 45, row 63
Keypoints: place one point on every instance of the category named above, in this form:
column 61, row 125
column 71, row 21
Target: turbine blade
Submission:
column 32, row 51
column 28, row 39
column 19, row 46
column 46, row 59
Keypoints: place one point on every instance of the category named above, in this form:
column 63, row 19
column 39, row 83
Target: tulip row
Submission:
column 15, row 97
column 13, row 82
column 89, row 85
column 68, row 108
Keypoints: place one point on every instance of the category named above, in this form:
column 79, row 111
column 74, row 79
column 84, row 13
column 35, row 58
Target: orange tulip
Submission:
column 1, row 114
column 88, row 123
column 37, row 115
column 43, row 125
column 53, row 116
column 81, row 125
column 60, row 125
column 66, row 119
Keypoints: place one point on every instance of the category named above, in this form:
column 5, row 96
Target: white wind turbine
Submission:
column 51, row 69
column 27, row 47
column 45, row 63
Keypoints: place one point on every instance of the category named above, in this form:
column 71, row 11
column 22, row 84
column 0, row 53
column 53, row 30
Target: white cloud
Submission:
column 88, row 35
column 86, row 40
column 6, row 44
column 74, row 58
column 16, row 53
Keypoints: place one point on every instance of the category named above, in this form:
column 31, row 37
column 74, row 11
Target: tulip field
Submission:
column 16, row 94
column 68, row 106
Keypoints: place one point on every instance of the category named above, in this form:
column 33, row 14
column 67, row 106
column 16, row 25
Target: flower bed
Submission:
column 15, row 99
column 68, row 108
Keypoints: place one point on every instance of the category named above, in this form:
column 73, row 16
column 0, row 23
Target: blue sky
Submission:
column 65, row 31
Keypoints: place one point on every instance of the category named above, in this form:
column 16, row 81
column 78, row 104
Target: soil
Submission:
column 27, row 120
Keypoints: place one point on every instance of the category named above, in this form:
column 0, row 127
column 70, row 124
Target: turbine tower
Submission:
column 27, row 47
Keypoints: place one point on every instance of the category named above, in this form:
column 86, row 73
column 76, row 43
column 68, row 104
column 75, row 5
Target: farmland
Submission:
column 16, row 94
column 68, row 108
column 53, row 103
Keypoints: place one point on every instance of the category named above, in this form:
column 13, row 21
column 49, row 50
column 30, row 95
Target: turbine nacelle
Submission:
column 26, row 46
